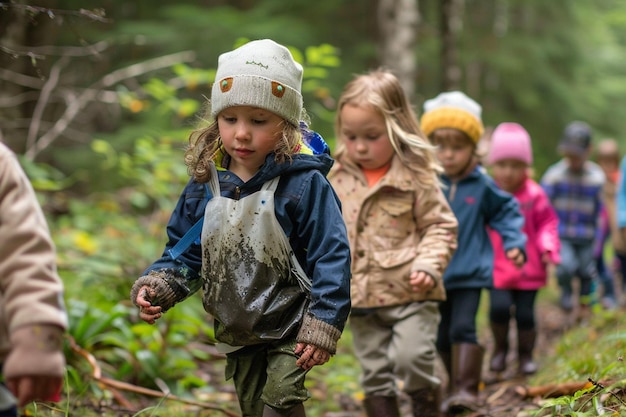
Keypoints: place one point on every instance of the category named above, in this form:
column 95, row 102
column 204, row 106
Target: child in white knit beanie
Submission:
column 274, row 258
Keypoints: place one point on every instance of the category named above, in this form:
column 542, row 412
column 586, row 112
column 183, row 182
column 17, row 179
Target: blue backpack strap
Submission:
column 192, row 235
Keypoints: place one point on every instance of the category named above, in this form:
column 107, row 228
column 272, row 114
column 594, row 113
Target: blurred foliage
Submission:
column 541, row 64
column 538, row 63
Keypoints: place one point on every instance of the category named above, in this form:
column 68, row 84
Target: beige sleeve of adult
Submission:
column 31, row 291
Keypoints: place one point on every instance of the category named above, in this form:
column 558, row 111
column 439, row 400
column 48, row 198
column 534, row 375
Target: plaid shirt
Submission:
column 576, row 197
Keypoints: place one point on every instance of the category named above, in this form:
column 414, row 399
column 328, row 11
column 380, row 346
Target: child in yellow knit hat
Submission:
column 452, row 121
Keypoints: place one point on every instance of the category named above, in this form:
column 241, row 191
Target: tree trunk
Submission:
column 397, row 21
column 451, row 26
column 22, row 74
column 12, row 35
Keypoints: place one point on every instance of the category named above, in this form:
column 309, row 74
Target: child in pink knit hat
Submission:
column 510, row 158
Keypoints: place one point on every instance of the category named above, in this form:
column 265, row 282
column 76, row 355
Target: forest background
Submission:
column 98, row 100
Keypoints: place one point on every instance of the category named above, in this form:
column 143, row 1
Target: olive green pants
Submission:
column 267, row 374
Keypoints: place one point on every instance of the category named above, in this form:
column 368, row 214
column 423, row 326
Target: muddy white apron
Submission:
column 252, row 283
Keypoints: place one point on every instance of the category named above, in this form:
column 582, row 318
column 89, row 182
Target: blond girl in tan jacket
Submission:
column 402, row 234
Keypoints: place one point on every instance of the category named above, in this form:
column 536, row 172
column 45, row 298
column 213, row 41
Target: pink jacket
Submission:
column 541, row 227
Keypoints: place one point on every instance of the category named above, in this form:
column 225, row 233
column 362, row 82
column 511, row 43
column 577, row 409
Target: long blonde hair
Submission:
column 382, row 90
column 205, row 146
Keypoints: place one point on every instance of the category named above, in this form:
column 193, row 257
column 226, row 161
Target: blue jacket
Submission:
column 309, row 212
column 620, row 195
column 478, row 202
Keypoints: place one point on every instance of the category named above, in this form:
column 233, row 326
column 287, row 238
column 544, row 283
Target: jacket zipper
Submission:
column 452, row 191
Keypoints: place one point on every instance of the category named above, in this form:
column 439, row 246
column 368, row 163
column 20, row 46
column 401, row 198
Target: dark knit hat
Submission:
column 576, row 138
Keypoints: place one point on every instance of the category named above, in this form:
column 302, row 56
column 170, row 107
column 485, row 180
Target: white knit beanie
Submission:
column 262, row 74
column 453, row 109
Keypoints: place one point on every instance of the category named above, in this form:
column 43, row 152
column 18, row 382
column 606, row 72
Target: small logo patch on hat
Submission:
column 226, row 84
column 278, row 89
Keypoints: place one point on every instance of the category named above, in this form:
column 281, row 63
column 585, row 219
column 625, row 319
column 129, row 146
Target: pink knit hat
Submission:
column 510, row 141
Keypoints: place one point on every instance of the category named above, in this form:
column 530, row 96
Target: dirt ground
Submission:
column 501, row 395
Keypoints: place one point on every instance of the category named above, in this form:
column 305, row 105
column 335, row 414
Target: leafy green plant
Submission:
column 591, row 353
column 593, row 400
column 127, row 349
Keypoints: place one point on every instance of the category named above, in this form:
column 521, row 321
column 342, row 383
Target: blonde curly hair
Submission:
column 205, row 146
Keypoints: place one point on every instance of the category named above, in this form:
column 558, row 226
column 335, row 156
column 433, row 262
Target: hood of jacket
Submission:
column 306, row 158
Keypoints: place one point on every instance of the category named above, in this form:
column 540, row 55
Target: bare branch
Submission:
column 70, row 133
column 144, row 67
column 21, row 79
column 40, row 52
column 50, row 84
column 96, row 374
column 16, row 53
column 107, row 81
column 104, row 96
column 95, row 14
column 14, row 101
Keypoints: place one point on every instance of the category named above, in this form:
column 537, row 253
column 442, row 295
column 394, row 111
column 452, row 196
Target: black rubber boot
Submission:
column 526, row 345
column 501, row 347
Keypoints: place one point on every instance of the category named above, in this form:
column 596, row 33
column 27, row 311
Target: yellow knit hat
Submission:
column 454, row 110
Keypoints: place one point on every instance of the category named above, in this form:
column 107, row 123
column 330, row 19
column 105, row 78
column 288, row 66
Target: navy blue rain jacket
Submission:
column 478, row 202
column 309, row 212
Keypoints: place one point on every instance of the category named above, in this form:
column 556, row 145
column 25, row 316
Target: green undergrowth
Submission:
column 128, row 350
column 590, row 354
column 593, row 350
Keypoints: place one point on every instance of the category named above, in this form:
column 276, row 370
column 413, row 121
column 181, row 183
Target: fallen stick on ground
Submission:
column 119, row 385
column 556, row 390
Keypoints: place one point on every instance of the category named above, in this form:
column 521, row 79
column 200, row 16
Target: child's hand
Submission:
column 516, row 256
column 147, row 312
column 310, row 355
column 548, row 259
column 421, row 281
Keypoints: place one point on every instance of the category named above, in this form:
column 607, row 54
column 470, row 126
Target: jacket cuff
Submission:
column 163, row 289
column 318, row 333
column 434, row 273
column 36, row 350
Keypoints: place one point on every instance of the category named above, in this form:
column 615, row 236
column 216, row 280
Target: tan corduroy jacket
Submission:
column 31, row 292
column 396, row 227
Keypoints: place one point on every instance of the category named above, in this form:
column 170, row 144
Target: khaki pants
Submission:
column 397, row 344
column 266, row 374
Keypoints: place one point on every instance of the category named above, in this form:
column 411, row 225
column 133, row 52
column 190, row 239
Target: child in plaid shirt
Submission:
column 574, row 187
